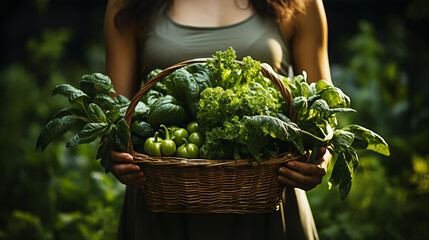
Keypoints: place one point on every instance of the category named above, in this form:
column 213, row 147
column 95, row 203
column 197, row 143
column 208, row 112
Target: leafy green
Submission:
column 239, row 90
column 55, row 128
column 94, row 109
column 186, row 84
column 315, row 106
column 244, row 115
column 372, row 140
column 167, row 110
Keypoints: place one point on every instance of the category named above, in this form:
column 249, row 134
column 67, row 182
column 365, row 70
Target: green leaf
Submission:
column 121, row 100
column 142, row 129
column 64, row 112
column 343, row 139
column 103, row 154
column 299, row 106
column 273, row 127
column 141, row 111
column 338, row 110
column 55, row 128
column 352, row 158
column 88, row 134
column 123, row 132
column 104, row 101
column 346, row 182
column 335, row 97
column 167, row 110
column 152, row 74
column 256, row 143
column 341, row 175
column 373, row 141
column 320, row 105
column 70, row 92
column 100, row 82
column 96, row 114
column 305, row 89
column 337, row 170
column 112, row 115
column 321, row 85
column 318, row 127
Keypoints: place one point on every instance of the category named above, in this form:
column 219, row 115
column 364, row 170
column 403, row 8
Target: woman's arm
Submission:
column 308, row 42
column 121, row 52
column 307, row 36
column 121, row 67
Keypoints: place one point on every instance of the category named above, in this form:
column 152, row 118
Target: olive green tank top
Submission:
column 169, row 42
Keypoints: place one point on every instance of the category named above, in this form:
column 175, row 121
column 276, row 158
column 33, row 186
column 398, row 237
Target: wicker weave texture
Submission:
column 175, row 185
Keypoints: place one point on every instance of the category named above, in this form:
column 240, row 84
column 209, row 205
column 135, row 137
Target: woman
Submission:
column 143, row 35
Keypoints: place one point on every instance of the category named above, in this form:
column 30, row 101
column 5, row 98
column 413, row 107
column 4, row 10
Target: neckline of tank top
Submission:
column 209, row 28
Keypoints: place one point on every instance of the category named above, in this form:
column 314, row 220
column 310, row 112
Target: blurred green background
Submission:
column 378, row 52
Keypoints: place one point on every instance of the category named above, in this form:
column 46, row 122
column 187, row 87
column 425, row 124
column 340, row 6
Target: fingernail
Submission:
column 290, row 164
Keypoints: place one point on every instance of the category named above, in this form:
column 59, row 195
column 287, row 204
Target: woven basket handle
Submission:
column 131, row 108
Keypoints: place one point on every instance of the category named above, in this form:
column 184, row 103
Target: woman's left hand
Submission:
column 305, row 175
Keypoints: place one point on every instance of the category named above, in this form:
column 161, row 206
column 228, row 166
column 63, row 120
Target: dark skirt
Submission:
column 294, row 220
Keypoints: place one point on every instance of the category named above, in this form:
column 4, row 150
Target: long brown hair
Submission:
column 141, row 11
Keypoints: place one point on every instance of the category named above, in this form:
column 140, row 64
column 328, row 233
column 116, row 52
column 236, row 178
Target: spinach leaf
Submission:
column 73, row 94
column 274, row 127
column 103, row 154
column 341, row 175
column 167, row 110
column 96, row 114
column 96, row 83
column 371, row 140
column 55, row 128
column 88, row 134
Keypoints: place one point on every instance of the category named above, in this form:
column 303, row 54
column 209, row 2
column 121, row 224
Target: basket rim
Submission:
column 140, row 158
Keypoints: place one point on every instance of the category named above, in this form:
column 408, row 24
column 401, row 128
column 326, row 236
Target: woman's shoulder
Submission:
column 310, row 17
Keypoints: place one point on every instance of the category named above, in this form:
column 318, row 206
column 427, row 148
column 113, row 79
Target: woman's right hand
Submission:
column 125, row 171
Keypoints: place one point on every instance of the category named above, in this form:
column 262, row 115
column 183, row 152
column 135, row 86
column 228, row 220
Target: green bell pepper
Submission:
column 168, row 146
column 188, row 150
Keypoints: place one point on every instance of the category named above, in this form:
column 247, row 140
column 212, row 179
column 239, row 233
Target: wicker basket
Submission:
column 179, row 185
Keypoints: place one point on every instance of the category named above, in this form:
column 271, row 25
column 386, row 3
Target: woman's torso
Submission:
column 168, row 42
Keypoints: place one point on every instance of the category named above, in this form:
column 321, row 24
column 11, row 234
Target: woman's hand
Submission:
column 125, row 171
column 305, row 175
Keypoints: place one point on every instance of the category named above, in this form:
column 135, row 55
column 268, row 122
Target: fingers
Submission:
column 301, row 175
column 129, row 174
column 307, row 168
column 125, row 171
column 120, row 157
column 119, row 169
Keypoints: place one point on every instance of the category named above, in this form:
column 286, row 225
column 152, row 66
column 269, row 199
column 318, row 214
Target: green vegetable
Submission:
column 167, row 110
column 93, row 113
column 196, row 138
column 188, row 150
column 315, row 106
column 244, row 115
column 221, row 112
column 168, row 146
column 142, row 129
column 152, row 146
column 141, row 111
column 185, row 83
column 178, row 136
column 228, row 141
column 192, row 127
